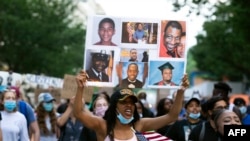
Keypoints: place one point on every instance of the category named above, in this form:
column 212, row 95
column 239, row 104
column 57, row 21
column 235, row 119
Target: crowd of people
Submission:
column 122, row 115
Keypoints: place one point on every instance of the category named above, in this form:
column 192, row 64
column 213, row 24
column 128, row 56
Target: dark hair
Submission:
column 111, row 115
column 133, row 64
column 160, row 106
column 2, row 98
column 41, row 114
column 145, row 111
column 238, row 101
column 107, row 20
column 142, row 95
column 174, row 24
column 209, row 105
column 215, row 116
column 223, row 86
column 217, row 113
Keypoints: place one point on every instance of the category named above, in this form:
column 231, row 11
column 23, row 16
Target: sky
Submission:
column 153, row 9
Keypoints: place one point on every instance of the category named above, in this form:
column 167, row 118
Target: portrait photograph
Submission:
column 132, row 74
column 104, row 31
column 139, row 32
column 134, row 55
column 165, row 73
column 173, row 39
column 98, row 63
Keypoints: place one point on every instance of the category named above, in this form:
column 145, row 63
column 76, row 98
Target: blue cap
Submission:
column 45, row 97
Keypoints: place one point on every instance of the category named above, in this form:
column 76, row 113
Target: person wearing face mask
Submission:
column 70, row 128
column 207, row 130
column 241, row 104
column 98, row 107
column 121, row 120
column 181, row 129
column 13, row 124
column 47, row 117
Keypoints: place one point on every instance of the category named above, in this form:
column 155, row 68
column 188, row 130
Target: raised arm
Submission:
column 158, row 122
column 81, row 113
column 61, row 121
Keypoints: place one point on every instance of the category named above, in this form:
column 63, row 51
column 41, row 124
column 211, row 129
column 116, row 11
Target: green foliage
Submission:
column 38, row 36
column 224, row 49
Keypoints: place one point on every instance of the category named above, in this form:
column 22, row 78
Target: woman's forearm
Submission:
column 78, row 105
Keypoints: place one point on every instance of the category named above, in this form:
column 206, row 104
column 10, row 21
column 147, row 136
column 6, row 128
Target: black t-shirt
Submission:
column 180, row 130
column 209, row 133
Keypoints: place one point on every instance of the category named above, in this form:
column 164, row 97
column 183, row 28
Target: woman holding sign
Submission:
column 121, row 120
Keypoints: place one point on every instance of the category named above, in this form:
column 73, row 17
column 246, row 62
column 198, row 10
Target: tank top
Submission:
column 132, row 139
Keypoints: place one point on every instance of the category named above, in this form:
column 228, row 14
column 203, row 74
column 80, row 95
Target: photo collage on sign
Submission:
column 134, row 52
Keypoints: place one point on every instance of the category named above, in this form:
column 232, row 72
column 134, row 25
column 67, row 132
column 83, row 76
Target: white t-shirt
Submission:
column 14, row 126
column 51, row 136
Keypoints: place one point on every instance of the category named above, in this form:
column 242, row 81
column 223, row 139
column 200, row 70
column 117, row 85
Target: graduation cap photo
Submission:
column 165, row 73
column 166, row 66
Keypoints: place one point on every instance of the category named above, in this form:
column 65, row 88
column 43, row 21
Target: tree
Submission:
column 38, row 36
column 224, row 48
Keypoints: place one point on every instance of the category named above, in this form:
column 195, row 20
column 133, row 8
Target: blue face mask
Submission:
column 10, row 105
column 243, row 109
column 48, row 106
column 194, row 116
column 124, row 120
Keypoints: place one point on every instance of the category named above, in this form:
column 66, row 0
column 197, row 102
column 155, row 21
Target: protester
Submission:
column 142, row 111
column 163, row 107
column 100, row 105
column 181, row 129
column 207, row 130
column 26, row 109
column 224, row 117
column 13, row 124
column 142, row 96
column 241, row 104
column 46, row 117
column 223, row 89
column 121, row 120
column 70, row 128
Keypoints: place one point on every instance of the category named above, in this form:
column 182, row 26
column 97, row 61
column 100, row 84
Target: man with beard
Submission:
column 133, row 55
column 131, row 81
column 171, row 39
column 97, row 70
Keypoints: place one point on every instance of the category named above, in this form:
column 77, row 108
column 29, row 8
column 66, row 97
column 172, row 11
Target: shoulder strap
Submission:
column 202, row 131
